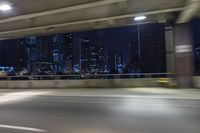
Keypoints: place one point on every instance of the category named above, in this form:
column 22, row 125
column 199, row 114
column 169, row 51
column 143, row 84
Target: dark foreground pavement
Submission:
column 98, row 114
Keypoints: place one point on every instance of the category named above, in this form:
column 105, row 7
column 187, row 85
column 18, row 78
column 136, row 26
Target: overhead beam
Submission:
column 91, row 21
column 192, row 7
column 61, row 10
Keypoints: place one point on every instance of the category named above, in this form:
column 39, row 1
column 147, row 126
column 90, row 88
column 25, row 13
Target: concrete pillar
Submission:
column 183, row 54
column 170, row 52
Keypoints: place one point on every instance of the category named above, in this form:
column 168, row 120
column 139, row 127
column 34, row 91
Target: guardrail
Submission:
column 88, row 76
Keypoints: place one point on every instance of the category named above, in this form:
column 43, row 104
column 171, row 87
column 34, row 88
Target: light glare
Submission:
column 5, row 7
column 140, row 18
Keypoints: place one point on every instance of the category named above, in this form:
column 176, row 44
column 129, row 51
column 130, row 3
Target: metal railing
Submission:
column 88, row 76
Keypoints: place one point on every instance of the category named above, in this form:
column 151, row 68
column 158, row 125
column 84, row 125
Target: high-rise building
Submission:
column 115, row 62
column 46, row 54
column 62, row 52
column 22, row 55
column 68, row 52
column 57, row 52
column 45, row 50
column 89, row 56
column 84, row 55
column 119, row 62
column 101, row 59
column 37, row 54
column 32, row 44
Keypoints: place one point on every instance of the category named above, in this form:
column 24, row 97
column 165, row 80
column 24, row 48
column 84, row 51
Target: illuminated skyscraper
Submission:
column 68, row 52
column 101, row 59
column 115, row 62
column 57, row 52
column 90, row 55
column 32, row 44
column 62, row 51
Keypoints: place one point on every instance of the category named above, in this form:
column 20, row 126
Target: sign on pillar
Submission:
column 184, row 55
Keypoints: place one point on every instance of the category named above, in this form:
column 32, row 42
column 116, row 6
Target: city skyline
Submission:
column 115, row 50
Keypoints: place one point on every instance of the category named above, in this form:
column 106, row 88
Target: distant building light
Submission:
column 139, row 18
column 5, row 7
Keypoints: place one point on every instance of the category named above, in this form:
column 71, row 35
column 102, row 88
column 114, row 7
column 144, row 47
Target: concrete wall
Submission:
column 147, row 82
column 196, row 81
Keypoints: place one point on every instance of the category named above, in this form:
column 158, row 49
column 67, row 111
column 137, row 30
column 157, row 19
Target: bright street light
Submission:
column 138, row 18
column 5, row 7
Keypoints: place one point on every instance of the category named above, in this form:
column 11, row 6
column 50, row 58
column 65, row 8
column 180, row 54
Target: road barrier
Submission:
column 84, row 81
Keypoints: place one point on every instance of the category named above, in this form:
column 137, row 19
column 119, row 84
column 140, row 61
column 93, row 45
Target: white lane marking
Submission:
column 22, row 128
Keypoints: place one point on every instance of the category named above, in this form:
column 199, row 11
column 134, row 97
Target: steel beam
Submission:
column 93, row 20
column 61, row 10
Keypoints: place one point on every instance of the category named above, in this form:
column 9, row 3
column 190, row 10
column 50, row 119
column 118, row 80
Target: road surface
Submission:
column 31, row 112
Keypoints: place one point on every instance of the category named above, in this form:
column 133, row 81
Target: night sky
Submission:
column 113, row 39
column 196, row 32
column 8, row 52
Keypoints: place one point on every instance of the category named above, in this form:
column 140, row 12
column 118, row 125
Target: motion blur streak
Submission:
column 17, row 96
column 22, row 128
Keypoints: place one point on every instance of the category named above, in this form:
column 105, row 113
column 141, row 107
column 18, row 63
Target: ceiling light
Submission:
column 5, row 7
column 138, row 18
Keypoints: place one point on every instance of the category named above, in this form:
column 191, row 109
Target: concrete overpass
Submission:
column 36, row 17
column 43, row 17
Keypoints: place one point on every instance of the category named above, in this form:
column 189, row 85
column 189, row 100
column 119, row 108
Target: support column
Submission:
column 183, row 55
column 169, row 46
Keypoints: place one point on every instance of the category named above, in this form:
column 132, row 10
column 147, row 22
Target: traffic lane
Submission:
column 100, row 115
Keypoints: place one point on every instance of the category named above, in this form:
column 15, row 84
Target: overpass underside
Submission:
column 30, row 18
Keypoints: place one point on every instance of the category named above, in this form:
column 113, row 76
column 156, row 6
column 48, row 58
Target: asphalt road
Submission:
column 84, row 114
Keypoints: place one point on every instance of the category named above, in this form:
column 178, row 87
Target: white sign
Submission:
column 183, row 48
